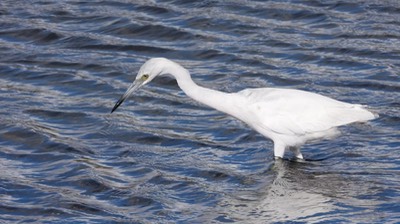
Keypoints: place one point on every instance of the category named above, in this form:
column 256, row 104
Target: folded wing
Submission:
column 296, row 112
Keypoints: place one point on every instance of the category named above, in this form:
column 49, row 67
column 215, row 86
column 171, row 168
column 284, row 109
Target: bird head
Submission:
column 149, row 70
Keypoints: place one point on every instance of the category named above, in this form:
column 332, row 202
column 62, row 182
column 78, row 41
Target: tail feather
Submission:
column 365, row 114
column 356, row 113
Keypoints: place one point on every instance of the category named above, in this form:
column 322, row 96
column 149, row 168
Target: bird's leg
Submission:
column 296, row 151
column 279, row 150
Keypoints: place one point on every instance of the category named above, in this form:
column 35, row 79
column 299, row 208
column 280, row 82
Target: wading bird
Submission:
column 288, row 117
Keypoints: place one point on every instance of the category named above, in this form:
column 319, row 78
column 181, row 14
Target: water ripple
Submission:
column 163, row 158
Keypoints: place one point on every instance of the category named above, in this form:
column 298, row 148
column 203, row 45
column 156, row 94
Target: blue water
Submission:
column 163, row 158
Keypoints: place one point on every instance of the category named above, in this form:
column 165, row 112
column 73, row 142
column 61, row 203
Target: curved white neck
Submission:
column 224, row 102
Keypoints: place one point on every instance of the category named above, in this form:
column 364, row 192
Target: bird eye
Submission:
column 145, row 77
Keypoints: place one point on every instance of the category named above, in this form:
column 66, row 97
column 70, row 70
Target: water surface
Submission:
column 163, row 158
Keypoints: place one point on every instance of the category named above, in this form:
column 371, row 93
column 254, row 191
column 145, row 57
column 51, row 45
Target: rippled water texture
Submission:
column 163, row 158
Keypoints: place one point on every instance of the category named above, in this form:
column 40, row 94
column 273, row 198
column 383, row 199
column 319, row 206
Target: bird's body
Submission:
column 288, row 117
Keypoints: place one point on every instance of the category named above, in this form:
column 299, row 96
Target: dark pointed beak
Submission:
column 134, row 86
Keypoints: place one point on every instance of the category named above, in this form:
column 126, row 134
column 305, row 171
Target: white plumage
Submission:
column 288, row 117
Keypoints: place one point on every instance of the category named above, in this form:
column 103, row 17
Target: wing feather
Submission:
column 296, row 112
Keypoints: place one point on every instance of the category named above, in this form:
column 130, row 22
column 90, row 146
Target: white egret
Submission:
column 288, row 117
